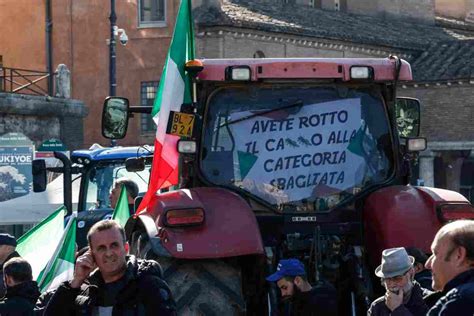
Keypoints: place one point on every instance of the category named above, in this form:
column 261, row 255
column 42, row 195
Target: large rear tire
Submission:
column 199, row 287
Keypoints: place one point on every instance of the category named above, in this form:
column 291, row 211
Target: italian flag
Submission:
column 61, row 266
column 174, row 90
column 39, row 244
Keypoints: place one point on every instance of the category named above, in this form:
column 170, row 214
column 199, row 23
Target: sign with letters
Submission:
column 180, row 124
column 297, row 154
column 16, row 156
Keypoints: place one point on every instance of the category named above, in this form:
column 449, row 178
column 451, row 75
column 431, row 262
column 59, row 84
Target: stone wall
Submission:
column 362, row 7
column 235, row 43
column 447, row 111
column 41, row 118
column 451, row 8
column 417, row 10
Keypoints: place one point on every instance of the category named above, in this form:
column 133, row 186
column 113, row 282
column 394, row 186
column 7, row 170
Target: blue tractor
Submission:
column 97, row 169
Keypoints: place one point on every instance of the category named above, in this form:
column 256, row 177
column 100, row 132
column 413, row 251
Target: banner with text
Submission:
column 302, row 154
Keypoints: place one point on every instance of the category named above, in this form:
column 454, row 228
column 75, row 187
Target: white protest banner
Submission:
column 301, row 152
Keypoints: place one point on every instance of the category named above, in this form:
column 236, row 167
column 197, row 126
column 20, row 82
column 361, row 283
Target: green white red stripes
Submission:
column 174, row 90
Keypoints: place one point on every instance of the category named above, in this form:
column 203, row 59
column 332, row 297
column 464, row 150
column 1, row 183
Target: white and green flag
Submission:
column 61, row 266
column 122, row 211
column 39, row 244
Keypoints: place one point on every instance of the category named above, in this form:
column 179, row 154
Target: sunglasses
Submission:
column 397, row 278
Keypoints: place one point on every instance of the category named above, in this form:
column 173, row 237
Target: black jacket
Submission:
column 144, row 293
column 2, row 285
column 321, row 300
column 458, row 298
column 20, row 299
column 424, row 278
column 415, row 305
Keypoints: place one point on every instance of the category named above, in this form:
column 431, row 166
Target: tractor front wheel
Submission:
column 199, row 287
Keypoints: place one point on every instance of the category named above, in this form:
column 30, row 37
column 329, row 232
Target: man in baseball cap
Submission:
column 302, row 297
column 7, row 251
column 403, row 296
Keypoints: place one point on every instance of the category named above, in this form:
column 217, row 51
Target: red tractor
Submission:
column 305, row 158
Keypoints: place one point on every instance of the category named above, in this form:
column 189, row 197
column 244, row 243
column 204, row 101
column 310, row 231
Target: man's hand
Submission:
column 393, row 300
column 85, row 264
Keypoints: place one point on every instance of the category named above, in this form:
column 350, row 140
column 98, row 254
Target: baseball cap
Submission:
column 287, row 267
column 7, row 239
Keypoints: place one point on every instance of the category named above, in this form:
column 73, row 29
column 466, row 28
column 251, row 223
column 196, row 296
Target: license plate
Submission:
column 180, row 124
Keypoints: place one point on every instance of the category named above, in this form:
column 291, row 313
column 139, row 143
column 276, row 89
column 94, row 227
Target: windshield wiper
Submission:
column 292, row 105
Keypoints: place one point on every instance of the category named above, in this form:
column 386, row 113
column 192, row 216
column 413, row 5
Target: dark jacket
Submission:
column 415, row 305
column 321, row 300
column 43, row 301
column 424, row 278
column 144, row 293
column 20, row 299
column 458, row 298
column 2, row 285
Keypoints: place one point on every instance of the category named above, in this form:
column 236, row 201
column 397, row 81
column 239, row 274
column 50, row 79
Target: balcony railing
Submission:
column 25, row 81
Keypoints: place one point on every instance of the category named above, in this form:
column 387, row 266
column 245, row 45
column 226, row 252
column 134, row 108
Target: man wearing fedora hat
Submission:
column 7, row 251
column 403, row 296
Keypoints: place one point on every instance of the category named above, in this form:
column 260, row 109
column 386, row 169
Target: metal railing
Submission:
column 25, row 81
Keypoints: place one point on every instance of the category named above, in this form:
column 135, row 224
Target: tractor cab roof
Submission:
column 381, row 69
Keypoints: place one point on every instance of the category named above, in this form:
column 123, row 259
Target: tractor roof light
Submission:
column 238, row 73
column 362, row 72
column 194, row 67
column 186, row 146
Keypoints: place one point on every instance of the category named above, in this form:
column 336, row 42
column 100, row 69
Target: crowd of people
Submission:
column 109, row 281
column 415, row 284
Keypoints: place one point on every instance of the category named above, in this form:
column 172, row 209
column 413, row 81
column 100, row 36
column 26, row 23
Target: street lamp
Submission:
column 114, row 31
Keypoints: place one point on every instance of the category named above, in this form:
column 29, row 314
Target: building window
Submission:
column 147, row 97
column 151, row 13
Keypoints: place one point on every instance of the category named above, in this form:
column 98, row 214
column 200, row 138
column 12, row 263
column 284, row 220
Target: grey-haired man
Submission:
column 403, row 295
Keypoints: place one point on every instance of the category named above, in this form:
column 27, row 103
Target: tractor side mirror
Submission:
column 407, row 112
column 135, row 164
column 38, row 169
column 115, row 117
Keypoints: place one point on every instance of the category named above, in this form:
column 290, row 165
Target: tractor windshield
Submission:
column 101, row 181
column 300, row 149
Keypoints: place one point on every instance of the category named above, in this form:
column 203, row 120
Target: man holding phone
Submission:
column 106, row 281
column 403, row 295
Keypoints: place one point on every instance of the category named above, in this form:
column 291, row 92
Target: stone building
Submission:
column 435, row 36
column 440, row 49
column 80, row 40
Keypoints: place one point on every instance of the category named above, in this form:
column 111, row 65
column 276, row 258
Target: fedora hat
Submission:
column 395, row 261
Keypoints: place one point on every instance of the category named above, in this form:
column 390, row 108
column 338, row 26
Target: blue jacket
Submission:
column 458, row 299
